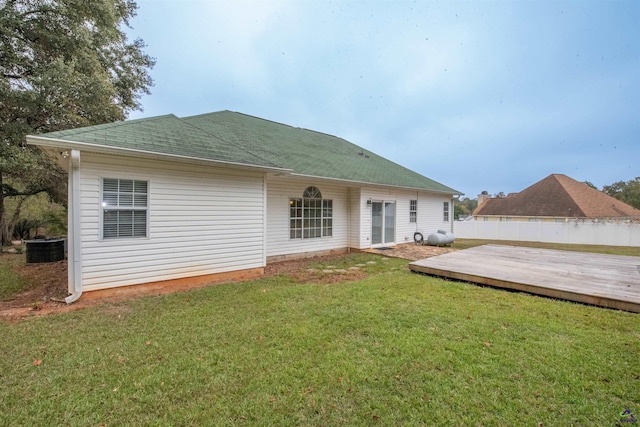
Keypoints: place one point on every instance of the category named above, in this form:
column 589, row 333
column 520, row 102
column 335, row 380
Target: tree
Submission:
column 63, row 64
column 464, row 207
column 627, row 192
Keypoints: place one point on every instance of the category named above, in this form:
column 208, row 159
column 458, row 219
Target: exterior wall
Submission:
column 202, row 220
column 205, row 220
column 429, row 215
column 279, row 191
column 355, row 209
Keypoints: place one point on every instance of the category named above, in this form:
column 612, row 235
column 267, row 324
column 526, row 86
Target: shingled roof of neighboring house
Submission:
column 240, row 139
column 557, row 196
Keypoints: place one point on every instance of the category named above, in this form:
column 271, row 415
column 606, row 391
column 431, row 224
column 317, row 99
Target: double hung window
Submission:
column 124, row 208
column 413, row 211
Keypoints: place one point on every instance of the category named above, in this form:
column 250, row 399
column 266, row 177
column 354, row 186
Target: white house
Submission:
column 169, row 199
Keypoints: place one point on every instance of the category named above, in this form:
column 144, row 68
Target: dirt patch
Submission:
column 412, row 251
column 50, row 280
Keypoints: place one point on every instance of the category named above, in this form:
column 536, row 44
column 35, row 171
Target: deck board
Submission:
column 605, row 280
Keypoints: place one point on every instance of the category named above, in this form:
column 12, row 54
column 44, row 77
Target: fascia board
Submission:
column 103, row 149
column 454, row 193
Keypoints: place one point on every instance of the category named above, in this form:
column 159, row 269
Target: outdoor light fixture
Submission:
column 64, row 154
column 369, row 202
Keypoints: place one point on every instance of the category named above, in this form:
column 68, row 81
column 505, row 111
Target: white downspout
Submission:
column 75, row 274
column 265, row 226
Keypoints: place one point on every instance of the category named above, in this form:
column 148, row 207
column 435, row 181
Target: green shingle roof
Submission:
column 238, row 138
column 167, row 134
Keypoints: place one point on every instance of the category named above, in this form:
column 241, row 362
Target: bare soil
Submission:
column 50, row 280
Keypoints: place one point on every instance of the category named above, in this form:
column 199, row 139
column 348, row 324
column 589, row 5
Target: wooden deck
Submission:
column 605, row 280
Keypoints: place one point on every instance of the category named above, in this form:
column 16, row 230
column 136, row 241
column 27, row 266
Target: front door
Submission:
column 383, row 223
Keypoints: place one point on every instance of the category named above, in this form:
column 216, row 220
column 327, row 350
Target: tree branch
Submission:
column 13, row 76
column 10, row 191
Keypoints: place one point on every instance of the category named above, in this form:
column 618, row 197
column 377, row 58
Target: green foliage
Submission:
column 11, row 282
column 55, row 221
column 38, row 211
column 63, row 64
column 393, row 349
column 627, row 192
column 23, row 227
column 464, row 206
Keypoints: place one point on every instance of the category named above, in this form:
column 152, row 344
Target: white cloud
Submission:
column 522, row 79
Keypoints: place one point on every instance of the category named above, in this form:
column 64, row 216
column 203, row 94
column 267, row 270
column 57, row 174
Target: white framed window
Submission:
column 310, row 216
column 124, row 208
column 327, row 218
column 445, row 212
column 413, row 211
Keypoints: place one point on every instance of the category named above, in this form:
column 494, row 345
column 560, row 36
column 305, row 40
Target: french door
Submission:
column 383, row 223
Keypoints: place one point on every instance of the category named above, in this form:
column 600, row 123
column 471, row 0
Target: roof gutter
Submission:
column 75, row 272
column 352, row 181
column 105, row 149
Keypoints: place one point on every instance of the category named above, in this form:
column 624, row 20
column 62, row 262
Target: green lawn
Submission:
column 11, row 282
column 395, row 348
column 601, row 249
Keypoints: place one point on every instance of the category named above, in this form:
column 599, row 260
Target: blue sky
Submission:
column 482, row 95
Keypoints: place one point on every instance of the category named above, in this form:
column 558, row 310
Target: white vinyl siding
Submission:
column 281, row 192
column 429, row 217
column 201, row 220
column 207, row 220
column 355, row 207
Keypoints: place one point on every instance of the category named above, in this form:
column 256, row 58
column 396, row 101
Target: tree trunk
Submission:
column 3, row 225
column 11, row 224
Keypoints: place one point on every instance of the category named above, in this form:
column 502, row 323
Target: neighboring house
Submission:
column 556, row 198
column 168, row 199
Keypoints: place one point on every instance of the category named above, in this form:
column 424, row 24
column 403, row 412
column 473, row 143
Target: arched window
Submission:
column 312, row 193
column 310, row 216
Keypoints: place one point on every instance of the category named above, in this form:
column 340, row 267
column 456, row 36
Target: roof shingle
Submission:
column 558, row 196
column 242, row 139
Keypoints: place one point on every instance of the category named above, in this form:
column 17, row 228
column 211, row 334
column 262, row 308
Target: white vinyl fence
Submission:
column 578, row 232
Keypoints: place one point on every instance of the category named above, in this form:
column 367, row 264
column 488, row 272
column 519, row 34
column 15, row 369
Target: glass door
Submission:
column 376, row 223
column 389, row 222
column 383, row 223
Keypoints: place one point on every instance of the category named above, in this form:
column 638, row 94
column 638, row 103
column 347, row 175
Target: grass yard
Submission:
column 394, row 348
column 11, row 282
column 598, row 249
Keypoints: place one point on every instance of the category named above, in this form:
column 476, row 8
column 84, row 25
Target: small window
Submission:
column 310, row 216
column 445, row 212
column 327, row 218
column 124, row 208
column 413, row 211
column 295, row 218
